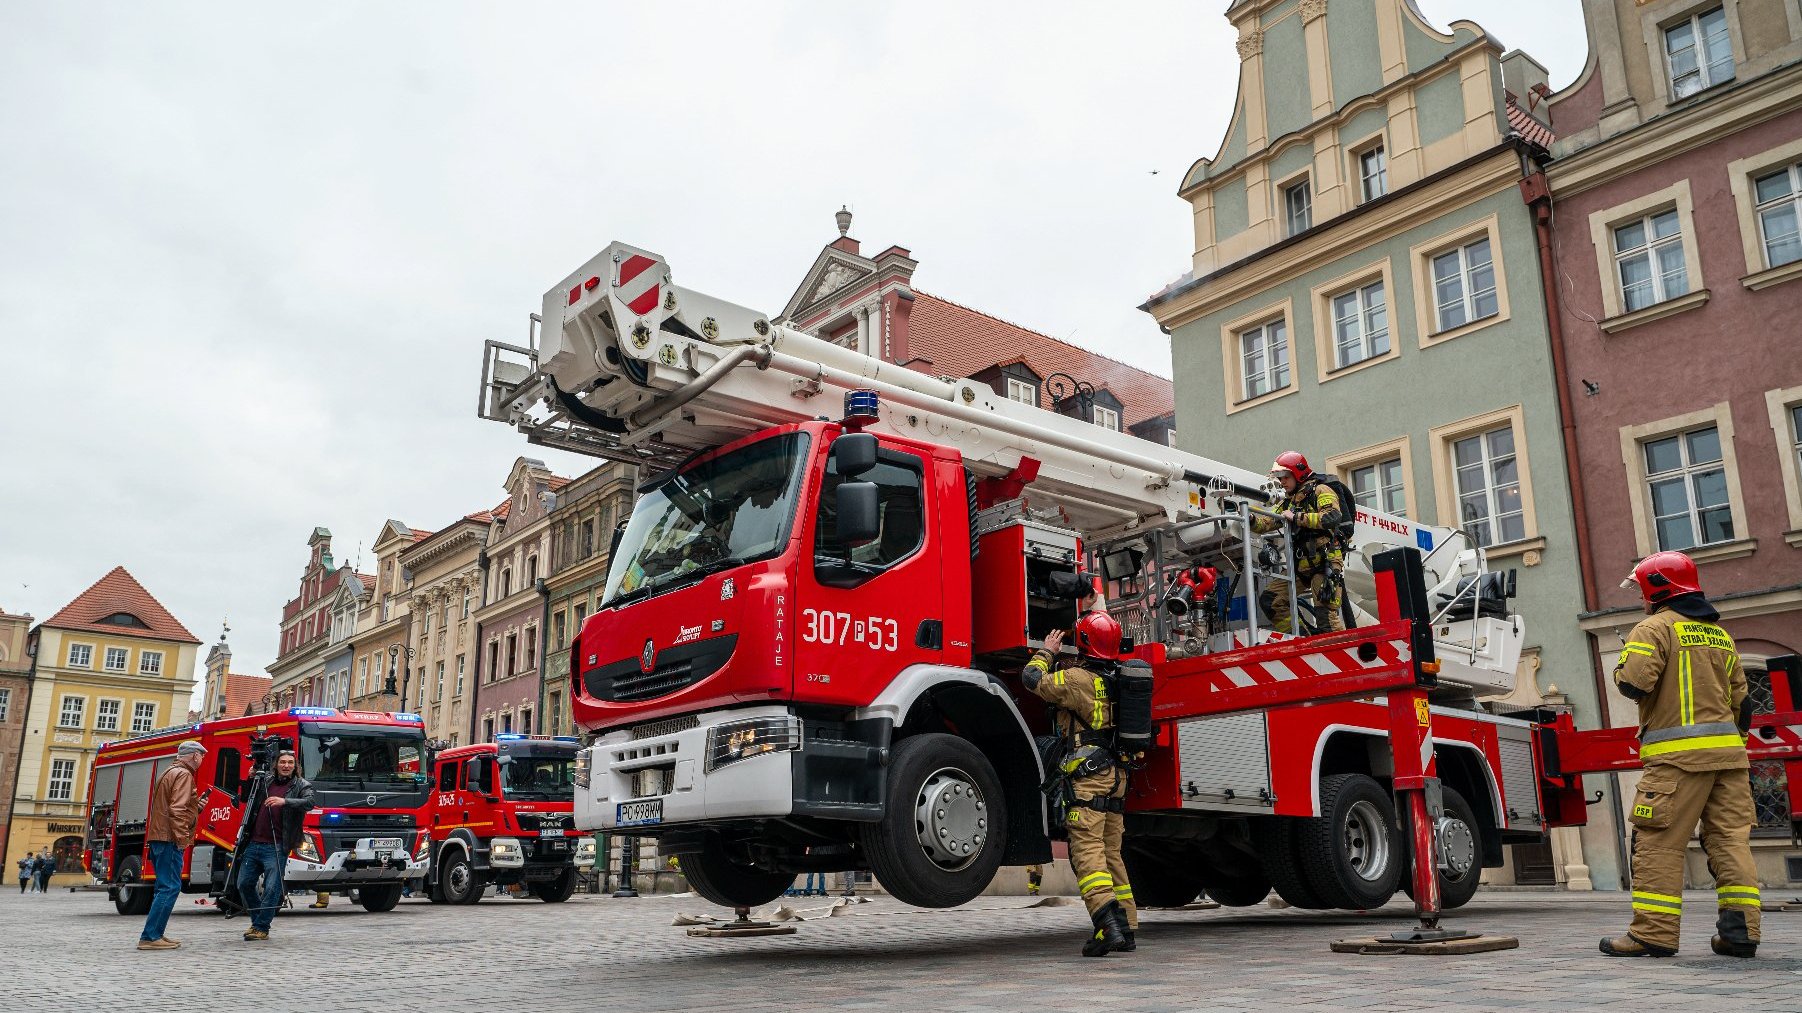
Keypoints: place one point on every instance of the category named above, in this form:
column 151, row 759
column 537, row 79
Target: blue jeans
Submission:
column 165, row 862
column 267, row 861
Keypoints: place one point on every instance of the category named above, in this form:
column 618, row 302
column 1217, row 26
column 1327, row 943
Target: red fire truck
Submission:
column 368, row 770
column 500, row 812
column 808, row 651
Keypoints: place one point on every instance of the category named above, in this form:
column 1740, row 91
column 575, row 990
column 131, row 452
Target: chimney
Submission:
column 1523, row 75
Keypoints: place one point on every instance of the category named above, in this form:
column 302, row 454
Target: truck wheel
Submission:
column 1160, row 876
column 1280, row 856
column 715, row 876
column 379, row 896
column 1454, row 890
column 1351, row 852
column 555, row 891
column 1239, row 891
column 945, row 828
column 457, row 879
column 134, row 897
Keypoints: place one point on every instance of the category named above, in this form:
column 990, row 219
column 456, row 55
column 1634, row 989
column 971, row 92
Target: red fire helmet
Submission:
column 1664, row 575
column 1098, row 636
column 1291, row 462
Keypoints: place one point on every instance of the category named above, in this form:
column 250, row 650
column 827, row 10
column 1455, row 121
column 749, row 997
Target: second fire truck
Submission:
column 500, row 813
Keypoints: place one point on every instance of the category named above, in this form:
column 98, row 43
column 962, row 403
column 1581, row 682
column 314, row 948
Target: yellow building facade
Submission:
column 110, row 664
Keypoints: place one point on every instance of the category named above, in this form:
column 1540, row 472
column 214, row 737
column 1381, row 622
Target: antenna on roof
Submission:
column 225, row 627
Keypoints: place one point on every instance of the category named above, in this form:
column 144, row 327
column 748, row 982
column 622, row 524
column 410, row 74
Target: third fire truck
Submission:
column 807, row 655
column 500, row 813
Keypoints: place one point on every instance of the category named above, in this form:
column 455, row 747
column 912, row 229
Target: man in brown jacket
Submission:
column 1683, row 671
column 174, row 812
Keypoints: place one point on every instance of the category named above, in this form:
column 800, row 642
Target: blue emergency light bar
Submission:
column 312, row 712
column 333, row 817
column 508, row 737
column 860, row 406
column 519, row 736
column 409, row 716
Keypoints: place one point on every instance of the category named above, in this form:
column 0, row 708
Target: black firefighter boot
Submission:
column 1110, row 931
column 1731, row 938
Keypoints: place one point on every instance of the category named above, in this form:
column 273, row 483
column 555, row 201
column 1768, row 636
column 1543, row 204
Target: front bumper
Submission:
column 357, row 865
column 755, row 787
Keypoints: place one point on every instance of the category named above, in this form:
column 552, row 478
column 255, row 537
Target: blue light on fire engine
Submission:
column 564, row 738
column 508, row 737
column 860, row 406
column 334, row 817
column 409, row 716
column 312, row 712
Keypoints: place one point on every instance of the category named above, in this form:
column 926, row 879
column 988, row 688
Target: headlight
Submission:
column 503, row 847
column 425, row 847
column 582, row 768
column 738, row 740
column 585, row 850
column 308, row 849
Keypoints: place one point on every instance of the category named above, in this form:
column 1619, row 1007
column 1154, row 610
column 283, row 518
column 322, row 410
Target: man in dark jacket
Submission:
column 169, row 832
column 274, row 831
column 46, row 867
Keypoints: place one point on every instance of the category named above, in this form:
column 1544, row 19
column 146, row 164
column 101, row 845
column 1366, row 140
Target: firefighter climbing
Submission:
column 1320, row 516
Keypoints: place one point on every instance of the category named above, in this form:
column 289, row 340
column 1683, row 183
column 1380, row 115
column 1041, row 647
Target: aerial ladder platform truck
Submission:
column 807, row 657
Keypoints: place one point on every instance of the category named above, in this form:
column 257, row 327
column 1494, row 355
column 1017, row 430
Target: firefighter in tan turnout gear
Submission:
column 1682, row 670
column 1092, row 775
column 1313, row 505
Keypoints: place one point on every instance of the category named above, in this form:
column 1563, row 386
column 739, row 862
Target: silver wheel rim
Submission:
column 951, row 818
column 459, row 879
column 1366, row 842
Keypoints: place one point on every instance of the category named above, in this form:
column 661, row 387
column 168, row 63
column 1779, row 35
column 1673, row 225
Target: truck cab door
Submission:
column 867, row 608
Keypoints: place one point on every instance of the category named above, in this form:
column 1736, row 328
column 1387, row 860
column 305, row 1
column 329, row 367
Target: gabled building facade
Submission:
column 446, row 586
column 15, row 701
column 582, row 523
column 225, row 693
column 1365, row 288
column 511, row 621
column 298, row 670
column 383, row 623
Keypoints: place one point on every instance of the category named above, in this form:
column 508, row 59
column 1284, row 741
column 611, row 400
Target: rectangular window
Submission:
column 1107, row 418
column 1379, row 487
column 1373, row 173
column 143, row 717
column 115, row 659
column 559, row 630
column 6, row 701
column 440, row 687
column 556, row 720
column 487, row 729
column 1698, row 53
column 512, row 654
column 507, row 723
column 1360, row 325
column 531, row 648
column 1298, row 207
column 425, row 624
column 1648, row 255
column 1688, row 484
column 494, row 659
column 81, row 656
column 73, row 709
column 525, row 721
column 62, row 780
column 1779, row 223
column 1488, row 487
column 1464, row 285
column 362, row 676
column 581, row 614
column 1023, row 392
column 1264, row 359
column 459, row 691
column 1795, row 426
column 106, row 715
column 150, row 663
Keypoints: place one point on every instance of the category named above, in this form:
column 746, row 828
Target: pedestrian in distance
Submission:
column 1694, row 715
column 274, row 833
column 25, row 871
column 46, row 867
column 169, row 831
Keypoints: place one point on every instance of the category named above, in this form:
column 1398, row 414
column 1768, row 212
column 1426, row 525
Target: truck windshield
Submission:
column 720, row 513
column 373, row 759
column 548, row 777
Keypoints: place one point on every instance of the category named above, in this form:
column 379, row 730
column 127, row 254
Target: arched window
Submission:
column 67, row 852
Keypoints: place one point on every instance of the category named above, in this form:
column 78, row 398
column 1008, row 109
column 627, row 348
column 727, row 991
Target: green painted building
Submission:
column 1365, row 288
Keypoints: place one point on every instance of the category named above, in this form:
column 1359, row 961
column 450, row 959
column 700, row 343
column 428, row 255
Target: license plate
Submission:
column 384, row 844
column 638, row 814
column 551, row 832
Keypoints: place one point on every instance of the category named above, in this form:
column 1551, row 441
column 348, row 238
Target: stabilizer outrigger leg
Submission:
column 742, row 925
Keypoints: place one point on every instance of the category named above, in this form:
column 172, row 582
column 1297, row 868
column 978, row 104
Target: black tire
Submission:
column 457, row 879
column 1454, row 892
column 1276, row 839
column 379, row 896
column 555, row 891
column 134, row 897
column 715, row 876
column 1160, row 875
column 1352, row 852
column 949, row 769
column 1240, row 891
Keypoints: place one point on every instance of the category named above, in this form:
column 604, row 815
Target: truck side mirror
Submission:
column 478, row 779
column 854, row 454
column 858, row 517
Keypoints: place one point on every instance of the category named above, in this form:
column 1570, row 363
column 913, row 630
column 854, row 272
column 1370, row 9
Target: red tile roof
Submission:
column 241, row 691
column 961, row 341
column 117, row 592
column 1534, row 131
column 368, row 580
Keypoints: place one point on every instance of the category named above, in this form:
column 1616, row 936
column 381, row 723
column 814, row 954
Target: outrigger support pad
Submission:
column 742, row 925
column 1427, row 942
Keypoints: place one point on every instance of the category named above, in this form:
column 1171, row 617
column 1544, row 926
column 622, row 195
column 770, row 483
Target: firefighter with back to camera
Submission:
column 1682, row 670
column 1321, row 515
column 1090, row 775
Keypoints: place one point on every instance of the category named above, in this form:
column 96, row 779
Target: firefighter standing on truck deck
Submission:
column 1312, row 506
column 1095, row 778
column 1694, row 715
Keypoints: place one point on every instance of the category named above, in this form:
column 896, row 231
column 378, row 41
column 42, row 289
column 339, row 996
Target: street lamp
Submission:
column 1063, row 386
column 393, row 661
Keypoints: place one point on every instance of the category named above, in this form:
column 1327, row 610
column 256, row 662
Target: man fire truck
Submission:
column 807, row 656
column 500, row 812
column 368, row 772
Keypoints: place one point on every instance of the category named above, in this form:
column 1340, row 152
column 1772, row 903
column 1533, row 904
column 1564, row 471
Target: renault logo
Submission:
column 648, row 659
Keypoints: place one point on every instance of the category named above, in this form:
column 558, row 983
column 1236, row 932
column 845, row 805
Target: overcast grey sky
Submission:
column 248, row 254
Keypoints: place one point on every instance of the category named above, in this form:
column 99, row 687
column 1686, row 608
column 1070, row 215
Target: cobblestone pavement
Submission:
column 71, row 952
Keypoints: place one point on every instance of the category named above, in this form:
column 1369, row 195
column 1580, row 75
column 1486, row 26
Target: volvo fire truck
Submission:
column 501, row 812
column 807, row 655
column 368, row 771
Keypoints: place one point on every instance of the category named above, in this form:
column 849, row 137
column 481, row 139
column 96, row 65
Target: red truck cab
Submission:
column 500, row 812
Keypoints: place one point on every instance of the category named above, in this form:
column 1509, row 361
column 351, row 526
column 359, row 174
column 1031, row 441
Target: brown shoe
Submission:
column 158, row 944
column 1628, row 946
column 253, row 935
column 1727, row 948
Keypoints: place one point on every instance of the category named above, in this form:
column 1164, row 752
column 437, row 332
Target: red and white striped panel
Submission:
column 639, row 287
column 1328, row 661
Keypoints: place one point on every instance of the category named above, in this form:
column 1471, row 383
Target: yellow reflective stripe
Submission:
column 1098, row 716
column 1640, row 647
column 1736, row 891
column 1057, row 678
column 1665, row 897
column 1687, row 745
column 1687, row 687
column 1095, row 879
column 1123, row 892
column 1740, row 901
column 1642, row 905
column 1732, row 659
column 1039, row 663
